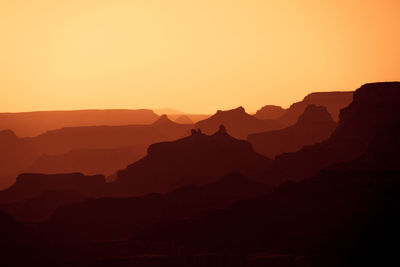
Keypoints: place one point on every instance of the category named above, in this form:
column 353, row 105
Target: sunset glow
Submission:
column 195, row 56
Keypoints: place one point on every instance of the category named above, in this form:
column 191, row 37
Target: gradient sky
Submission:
column 195, row 56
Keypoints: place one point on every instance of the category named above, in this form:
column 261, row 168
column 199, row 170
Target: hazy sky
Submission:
column 196, row 56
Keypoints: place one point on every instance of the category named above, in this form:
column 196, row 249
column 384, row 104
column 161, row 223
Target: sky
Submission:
column 195, row 56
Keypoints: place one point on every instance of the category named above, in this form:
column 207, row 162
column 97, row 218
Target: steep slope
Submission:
column 198, row 158
column 33, row 123
column 313, row 126
column 333, row 101
column 270, row 112
column 238, row 123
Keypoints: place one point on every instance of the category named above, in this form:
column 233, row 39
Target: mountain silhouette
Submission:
column 313, row 126
column 270, row 112
column 374, row 106
column 238, row 123
column 333, row 101
column 341, row 217
column 198, row 158
column 30, row 124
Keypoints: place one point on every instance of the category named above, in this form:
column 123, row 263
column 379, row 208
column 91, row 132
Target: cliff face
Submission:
column 374, row 106
column 313, row 126
column 196, row 159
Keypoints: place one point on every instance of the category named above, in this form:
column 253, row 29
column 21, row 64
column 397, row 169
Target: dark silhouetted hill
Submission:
column 333, row 101
column 199, row 158
column 31, row 185
column 120, row 218
column 270, row 112
column 35, row 123
column 238, row 123
column 313, row 126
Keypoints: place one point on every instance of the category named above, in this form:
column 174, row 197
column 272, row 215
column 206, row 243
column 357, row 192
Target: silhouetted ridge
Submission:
column 334, row 101
column 237, row 122
column 375, row 106
column 198, row 158
column 313, row 126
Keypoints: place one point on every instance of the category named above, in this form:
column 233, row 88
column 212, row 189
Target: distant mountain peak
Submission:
column 271, row 112
column 163, row 120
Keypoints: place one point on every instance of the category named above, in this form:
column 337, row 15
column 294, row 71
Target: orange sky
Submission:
column 196, row 56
